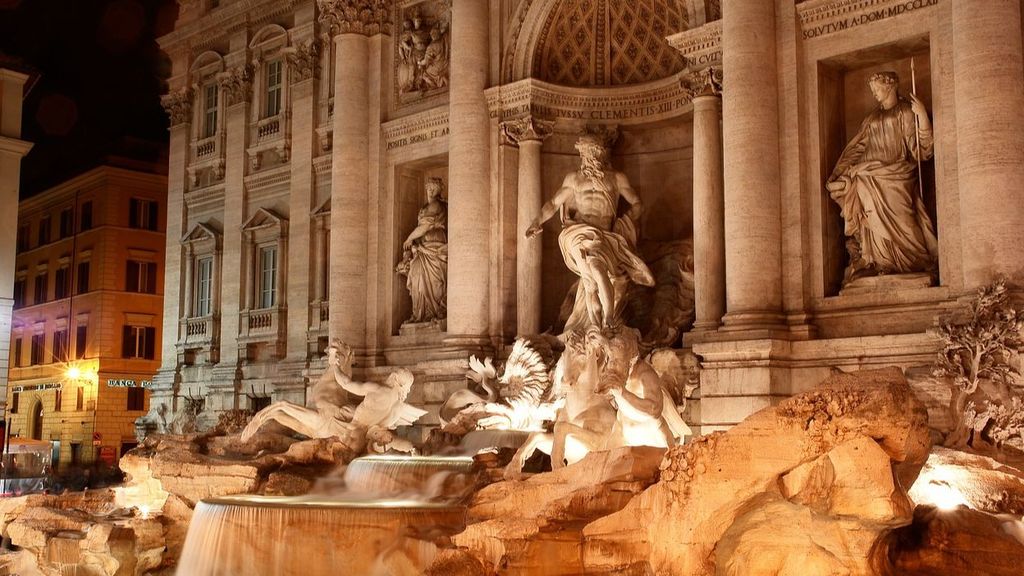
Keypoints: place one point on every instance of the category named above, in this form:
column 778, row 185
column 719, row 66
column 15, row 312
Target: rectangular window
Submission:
column 209, row 110
column 76, row 453
column 80, row 340
column 85, row 218
column 44, row 231
column 141, row 277
column 61, row 345
column 268, row 277
column 136, row 399
column 139, row 342
column 274, row 73
column 80, row 398
column 42, row 282
column 67, row 222
column 142, row 214
column 17, row 353
column 82, row 277
column 14, row 402
column 23, row 238
column 20, row 287
column 204, row 286
column 62, row 283
column 38, row 349
column 57, row 400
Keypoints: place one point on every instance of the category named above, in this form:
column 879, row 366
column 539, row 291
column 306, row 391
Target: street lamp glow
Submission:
column 73, row 373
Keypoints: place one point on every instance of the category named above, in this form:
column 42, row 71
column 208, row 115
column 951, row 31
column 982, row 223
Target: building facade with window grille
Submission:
column 87, row 306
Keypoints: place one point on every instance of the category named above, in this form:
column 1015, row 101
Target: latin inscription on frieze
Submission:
column 416, row 138
column 867, row 17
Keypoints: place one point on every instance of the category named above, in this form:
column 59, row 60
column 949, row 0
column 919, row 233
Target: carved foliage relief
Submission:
column 368, row 17
column 609, row 43
column 422, row 49
column 178, row 106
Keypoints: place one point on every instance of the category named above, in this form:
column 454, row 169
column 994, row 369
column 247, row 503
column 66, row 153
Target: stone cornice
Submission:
column 213, row 194
column 178, row 105
column 624, row 105
column 14, row 146
column 700, row 47
column 268, row 182
column 823, row 17
column 366, row 17
column 209, row 28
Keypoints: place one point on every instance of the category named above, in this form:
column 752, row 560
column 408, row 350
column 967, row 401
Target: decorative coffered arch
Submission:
column 599, row 42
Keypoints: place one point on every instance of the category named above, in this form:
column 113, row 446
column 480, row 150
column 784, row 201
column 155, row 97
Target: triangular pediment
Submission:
column 324, row 209
column 264, row 218
column 200, row 232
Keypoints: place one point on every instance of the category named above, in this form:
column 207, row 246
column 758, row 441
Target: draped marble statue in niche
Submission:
column 876, row 184
column 425, row 258
column 423, row 52
column 598, row 245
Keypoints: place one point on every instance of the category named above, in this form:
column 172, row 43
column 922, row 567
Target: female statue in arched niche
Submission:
column 425, row 258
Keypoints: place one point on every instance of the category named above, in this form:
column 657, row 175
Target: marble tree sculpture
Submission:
column 597, row 244
column 368, row 425
column 425, row 258
column 876, row 184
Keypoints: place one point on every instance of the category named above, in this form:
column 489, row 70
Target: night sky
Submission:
column 101, row 74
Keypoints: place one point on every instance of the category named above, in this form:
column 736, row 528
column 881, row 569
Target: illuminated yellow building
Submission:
column 87, row 306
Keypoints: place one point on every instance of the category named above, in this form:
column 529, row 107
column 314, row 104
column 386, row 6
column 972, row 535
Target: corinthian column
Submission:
column 350, row 22
column 753, row 269
column 708, row 203
column 468, row 172
column 529, row 133
column 989, row 95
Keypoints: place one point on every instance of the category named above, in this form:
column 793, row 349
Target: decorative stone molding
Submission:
column 178, row 105
column 303, row 61
column 416, row 128
column 236, row 85
column 528, row 128
column 704, row 82
column 628, row 105
column 824, row 17
column 366, row 17
column 701, row 47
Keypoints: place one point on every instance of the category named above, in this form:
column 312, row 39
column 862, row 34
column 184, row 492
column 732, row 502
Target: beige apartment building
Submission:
column 87, row 309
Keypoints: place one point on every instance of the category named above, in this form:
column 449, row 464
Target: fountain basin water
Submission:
column 314, row 536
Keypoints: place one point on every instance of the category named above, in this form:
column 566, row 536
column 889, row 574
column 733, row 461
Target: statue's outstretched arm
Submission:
column 550, row 208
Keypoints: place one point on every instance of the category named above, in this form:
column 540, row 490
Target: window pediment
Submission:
column 265, row 219
column 201, row 234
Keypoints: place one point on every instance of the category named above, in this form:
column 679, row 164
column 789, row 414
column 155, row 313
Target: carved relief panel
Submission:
column 422, row 50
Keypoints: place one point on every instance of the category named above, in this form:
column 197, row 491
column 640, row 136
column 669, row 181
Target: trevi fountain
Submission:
column 673, row 287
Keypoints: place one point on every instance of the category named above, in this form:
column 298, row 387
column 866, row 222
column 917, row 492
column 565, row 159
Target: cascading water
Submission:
column 383, row 523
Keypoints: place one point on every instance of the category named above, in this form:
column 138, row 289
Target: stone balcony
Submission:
column 197, row 338
column 262, row 325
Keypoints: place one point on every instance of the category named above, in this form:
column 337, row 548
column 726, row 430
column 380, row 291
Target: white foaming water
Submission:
column 383, row 523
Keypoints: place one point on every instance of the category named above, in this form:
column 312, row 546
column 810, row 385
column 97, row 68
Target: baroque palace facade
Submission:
column 820, row 182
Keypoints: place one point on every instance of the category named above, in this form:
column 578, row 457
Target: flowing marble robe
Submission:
column 427, row 273
column 881, row 203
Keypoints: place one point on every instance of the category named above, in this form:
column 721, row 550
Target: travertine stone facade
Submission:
column 12, row 150
column 303, row 134
column 89, row 280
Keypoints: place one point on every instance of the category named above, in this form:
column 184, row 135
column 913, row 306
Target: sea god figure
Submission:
column 597, row 244
column 876, row 185
column 425, row 258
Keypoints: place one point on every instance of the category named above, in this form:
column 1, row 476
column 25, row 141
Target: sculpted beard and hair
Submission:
column 593, row 163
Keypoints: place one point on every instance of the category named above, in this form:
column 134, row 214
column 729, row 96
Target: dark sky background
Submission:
column 101, row 74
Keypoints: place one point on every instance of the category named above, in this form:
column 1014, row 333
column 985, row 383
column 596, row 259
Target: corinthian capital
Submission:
column 367, row 17
column 528, row 128
column 704, row 82
column 236, row 84
column 302, row 61
column 178, row 105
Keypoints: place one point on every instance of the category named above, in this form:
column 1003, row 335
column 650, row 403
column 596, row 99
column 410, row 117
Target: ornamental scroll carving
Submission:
column 236, row 85
column 303, row 61
column 423, row 49
column 704, row 82
column 526, row 129
column 178, row 106
column 367, row 17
